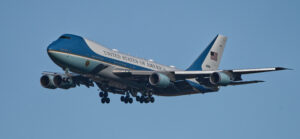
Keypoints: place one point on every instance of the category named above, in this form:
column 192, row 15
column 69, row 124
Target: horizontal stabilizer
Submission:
column 246, row 82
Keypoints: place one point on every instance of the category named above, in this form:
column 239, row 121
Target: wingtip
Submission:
column 282, row 68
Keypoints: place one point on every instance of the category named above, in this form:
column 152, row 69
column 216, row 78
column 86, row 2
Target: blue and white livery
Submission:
column 87, row 63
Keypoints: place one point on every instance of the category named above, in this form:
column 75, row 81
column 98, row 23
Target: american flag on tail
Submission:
column 214, row 56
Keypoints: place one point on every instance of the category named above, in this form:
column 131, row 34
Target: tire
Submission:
column 103, row 100
column 105, row 94
column 101, row 94
column 137, row 98
column 107, row 100
column 142, row 98
column 130, row 100
column 152, row 99
column 122, row 98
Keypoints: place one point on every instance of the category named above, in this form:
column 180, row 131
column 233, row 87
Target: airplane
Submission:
column 85, row 62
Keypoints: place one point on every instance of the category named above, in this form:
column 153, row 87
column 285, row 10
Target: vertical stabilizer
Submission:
column 210, row 58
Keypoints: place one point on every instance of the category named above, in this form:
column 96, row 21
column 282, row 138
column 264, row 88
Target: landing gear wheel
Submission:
column 142, row 99
column 126, row 100
column 130, row 100
column 105, row 94
column 122, row 98
column 103, row 100
column 101, row 94
column 107, row 100
column 138, row 98
column 152, row 99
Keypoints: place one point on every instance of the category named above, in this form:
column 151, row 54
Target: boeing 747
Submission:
column 87, row 63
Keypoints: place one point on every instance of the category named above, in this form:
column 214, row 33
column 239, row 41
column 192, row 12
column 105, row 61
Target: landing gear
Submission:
column 122, row 98
column 103, row 94
column 126, row 99
column 152, row 99
column 105, row 100
column 145, row 99
column 104, row 97
column 137, row 98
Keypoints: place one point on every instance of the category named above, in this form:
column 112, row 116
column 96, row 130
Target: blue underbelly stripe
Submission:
column 109, row 60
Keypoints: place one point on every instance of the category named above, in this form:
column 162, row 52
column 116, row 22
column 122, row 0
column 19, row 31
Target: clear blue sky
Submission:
column 260, row 34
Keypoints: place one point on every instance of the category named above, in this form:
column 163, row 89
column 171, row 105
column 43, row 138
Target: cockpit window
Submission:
column 64, row 37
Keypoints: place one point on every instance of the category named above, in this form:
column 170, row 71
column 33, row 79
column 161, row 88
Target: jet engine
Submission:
column 47, row 81
column 159, row 80
column 63, row 82
column 220, row 78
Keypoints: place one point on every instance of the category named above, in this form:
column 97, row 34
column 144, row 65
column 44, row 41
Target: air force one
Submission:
column 87, row 63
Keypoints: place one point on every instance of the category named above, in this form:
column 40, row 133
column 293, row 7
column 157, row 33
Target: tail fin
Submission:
column 210, row 58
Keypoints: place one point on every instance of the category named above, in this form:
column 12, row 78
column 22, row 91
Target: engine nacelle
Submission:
column 159, row 80
column 47, row 81
column 63, row 82
column 220, row 78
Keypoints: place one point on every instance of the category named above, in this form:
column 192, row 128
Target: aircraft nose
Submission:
column 50, row 49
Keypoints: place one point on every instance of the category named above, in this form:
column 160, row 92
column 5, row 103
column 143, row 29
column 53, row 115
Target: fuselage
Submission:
column 83, row 56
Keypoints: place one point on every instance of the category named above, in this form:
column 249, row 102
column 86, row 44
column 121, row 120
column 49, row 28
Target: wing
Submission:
column 201, row 76
column 193, row 74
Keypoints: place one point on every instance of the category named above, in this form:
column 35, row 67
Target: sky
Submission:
column 261, row 33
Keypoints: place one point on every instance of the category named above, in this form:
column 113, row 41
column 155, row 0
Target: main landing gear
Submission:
column 126, row 99
column 104, row 97
column 145, row 99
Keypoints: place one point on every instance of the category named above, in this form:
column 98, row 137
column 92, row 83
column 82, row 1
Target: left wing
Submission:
column 192, row 74
column 201, row 76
